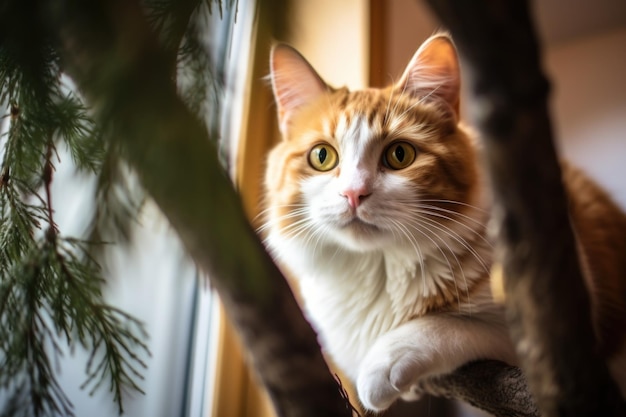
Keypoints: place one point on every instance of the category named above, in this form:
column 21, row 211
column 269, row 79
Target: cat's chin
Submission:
column 361, row 236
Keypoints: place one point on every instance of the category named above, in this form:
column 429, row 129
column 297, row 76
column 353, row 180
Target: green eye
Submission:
column 323, row 157
column 399, row 155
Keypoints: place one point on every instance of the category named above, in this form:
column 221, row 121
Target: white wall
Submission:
column 589, row 105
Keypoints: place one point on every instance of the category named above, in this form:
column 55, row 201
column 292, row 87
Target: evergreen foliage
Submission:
column 51, row 284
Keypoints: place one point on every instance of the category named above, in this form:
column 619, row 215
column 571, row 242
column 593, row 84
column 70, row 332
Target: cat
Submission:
column 376, row 203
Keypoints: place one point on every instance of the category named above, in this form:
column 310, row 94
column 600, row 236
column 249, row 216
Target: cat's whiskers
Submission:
column 399, row 117
column 423, row 215
column 294, row 228
column 427, row 209
column 422, row 128
column 318, row 233
column 418, row 225
column 431, row 93
column 306, row 228
column 266, row 212
column 307, row 232
column 460, row 203
column 338, row 250
column 438, row 247
column 386, row 116
column 278, row 220
column 410, row 220
column 405, row 232
column 395, row 107
column 453, row 212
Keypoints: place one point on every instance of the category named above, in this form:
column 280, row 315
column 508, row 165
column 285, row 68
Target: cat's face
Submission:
column 370, row 169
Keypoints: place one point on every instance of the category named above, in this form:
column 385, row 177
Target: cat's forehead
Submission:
column 375, row 113
column 362, row 103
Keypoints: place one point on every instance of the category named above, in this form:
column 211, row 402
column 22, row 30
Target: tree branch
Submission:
column 489, row 385
column 547, row 303
column 124, row 74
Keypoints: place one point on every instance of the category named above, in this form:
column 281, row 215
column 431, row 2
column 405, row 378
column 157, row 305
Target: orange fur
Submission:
column 444, row 171
column 600, row 227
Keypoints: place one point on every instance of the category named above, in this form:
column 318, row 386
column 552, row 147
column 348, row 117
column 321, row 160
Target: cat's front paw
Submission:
column 375, row 390
column 386, row 377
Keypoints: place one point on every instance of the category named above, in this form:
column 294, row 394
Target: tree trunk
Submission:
column 546, row 300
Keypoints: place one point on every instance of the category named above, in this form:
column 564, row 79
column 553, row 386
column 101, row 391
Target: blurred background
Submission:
column 197, row 368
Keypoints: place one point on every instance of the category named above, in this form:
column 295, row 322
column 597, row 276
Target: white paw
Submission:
column 384, row 378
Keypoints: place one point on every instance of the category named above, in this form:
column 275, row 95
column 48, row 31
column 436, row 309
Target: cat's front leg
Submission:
column 426, row 346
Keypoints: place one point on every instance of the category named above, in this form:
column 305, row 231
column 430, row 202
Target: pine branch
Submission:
column 79, row 133
column 200, row 87
column 63, row 283
column 102, row 326
column 170, row 20
column 50, row 288
column 118, row 201
column 25, row 352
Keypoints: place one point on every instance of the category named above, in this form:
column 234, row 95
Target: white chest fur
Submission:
column 354, row 298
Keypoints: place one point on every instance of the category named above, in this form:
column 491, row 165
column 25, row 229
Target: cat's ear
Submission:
column 294, row 82
column 433, row 73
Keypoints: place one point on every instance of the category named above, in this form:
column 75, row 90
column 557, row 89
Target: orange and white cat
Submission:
column 377, row 205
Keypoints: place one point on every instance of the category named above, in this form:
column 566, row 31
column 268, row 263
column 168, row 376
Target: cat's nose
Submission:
column 355, row 196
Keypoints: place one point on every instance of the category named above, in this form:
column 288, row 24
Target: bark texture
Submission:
column 492, row 386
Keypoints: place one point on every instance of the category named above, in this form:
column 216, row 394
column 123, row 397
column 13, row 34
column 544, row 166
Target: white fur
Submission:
column 364, row 275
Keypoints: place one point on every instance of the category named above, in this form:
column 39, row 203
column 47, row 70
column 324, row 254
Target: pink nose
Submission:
column 355, row 196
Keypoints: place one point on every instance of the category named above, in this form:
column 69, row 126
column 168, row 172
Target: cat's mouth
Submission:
column 358, row 225
column 358, row 234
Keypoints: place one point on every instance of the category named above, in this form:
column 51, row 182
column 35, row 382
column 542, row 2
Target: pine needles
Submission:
column 54, row 293
column 50, row 285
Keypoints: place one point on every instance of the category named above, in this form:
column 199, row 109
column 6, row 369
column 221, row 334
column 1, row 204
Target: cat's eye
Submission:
column 323, row 157
column 399, row 155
